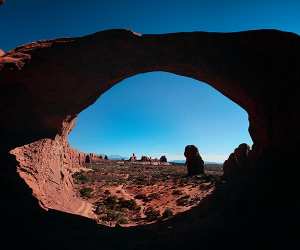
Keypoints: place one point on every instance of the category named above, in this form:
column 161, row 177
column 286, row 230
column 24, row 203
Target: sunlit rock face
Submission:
column 45, row 84
column 47, row 166
column 1, row 52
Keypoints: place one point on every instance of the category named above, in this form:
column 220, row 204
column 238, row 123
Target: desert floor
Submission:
column 129, row 194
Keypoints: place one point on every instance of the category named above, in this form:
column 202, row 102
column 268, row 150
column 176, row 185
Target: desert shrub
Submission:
column 112, row 215
column 143, row 197
column 153, row 196
column 118, row 181
column 177, row 192
column 111, row 202
column 130, row 204
column 120, row 204
column 183, row 181
column 80, row 178
column 140, row 196
column 99, row 209
column 122, row 220
column 140, row 180
column 167, row 213
column 107, row 192
column 152, row 214
column 146, row 199
column 86, row 192
column 205, row 186
column 183, row 201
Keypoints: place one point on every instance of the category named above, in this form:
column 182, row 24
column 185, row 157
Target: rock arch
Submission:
column 45, row 84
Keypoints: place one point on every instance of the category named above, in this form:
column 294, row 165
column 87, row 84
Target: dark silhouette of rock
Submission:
column 163, row 158
column 229, row 166
column 241, row 154
column 145, row 158
column 105, row 157
column 237, row 162
column 93, row 158
column 133, row 157
column 87, row 159
column 194, row 162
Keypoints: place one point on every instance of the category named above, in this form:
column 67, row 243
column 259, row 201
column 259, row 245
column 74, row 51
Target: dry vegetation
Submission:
column 130, row 194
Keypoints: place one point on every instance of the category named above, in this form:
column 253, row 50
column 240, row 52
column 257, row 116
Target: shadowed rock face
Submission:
column 194, row 162
column 238, row 162
column 45, row 84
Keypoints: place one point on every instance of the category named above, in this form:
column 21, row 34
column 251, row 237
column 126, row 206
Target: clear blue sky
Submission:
column 151, row 113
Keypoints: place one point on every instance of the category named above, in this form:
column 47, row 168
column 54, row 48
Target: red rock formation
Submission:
column 163, row 158
column 133, row 157
column 1, row 52
column 47, row 167
column 145, row 158
column 45, row 84
column 92, row 158
column 194, row 162
column 238, row 162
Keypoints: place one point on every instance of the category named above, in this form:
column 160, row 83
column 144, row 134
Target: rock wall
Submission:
column 47, row 166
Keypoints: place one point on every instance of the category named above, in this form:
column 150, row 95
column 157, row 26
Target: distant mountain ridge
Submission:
column 117, row 157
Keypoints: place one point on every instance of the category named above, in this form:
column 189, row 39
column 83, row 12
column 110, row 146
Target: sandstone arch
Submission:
column 45, row 84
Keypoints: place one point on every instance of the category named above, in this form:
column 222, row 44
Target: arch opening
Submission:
column 97, row 180
column 143, row 125
column 159, row 112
